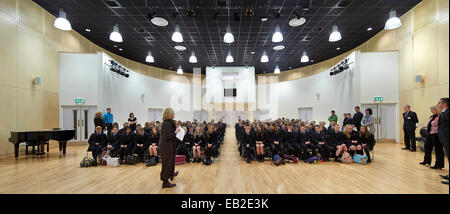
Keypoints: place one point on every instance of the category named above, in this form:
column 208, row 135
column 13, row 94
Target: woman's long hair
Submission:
column 346, row 133
column 364, row 134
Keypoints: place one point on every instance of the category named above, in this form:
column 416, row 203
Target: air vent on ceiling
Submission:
column 317, row 29
column 139, row 30
column 112, row 3
column 344, row 3
column 307, row 38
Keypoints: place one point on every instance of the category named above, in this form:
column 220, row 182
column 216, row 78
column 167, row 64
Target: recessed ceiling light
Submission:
column 278, row 47
column 115, row 46
column 120, row 49
column 338, row 48
column 253, row 52
column 295, row 22
column 311, row 60
column 264, row 19
column 87, row 30
column 180, row 47
column 369, row 29
column 158, row 21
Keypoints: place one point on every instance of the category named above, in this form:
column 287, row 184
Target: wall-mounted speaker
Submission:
column 419, row 78
column 37, row 81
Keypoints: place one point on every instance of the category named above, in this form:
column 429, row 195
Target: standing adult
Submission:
column 443, row 129
column 432, row 140
column 108, row 117
column 132, row 121
column 167, row 148
column 333, row 117
column 98, row 121
column 357, row 117
column 409, row 128
column 369, row 121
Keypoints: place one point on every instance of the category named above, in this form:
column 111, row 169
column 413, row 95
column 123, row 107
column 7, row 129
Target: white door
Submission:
column 155, row 114
column 81, row 119
column 387, row 122
column 305, row 113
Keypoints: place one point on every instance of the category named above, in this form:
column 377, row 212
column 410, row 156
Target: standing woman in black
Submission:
column 132, row 121
column 167, row 147
column 98, row 121
column 432, row 140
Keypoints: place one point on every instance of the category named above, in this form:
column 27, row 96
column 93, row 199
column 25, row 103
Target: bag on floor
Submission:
column 346, row 158
column 151, row 162
column 361, row 159
column 132, row 159
column 112, row 162
column 276, row 160
column 87, row 161
column 180, row 159
column 291, row 158
column 101, row 159
column 313, row 160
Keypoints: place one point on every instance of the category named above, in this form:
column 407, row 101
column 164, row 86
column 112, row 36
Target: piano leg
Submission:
column 64, row 147
column 16, row 150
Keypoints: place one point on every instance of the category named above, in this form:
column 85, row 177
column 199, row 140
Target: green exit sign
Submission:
column 79, row 101
column 378, row 99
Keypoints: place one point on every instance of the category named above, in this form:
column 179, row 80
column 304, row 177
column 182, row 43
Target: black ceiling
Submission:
column 204, row 32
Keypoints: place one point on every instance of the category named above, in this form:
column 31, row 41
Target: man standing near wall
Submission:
column 409, row 128
column 333, row 117
column 357, row 117
column 443, row 129
column 108, row 117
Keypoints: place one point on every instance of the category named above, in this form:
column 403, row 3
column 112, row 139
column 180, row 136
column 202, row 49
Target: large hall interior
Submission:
column 265, row 96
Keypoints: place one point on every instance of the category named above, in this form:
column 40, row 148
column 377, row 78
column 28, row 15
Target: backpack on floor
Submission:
column 276, row 160
column 101, row 159
column 87, row 161
column 180, row 159
column 132, row 159
column 151, row 162
column 361, row 159
column 346, row 158
column 314, row 159
column 291, row 158
column 112, row 162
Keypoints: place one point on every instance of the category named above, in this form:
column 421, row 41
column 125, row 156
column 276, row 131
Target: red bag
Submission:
column 179, row 159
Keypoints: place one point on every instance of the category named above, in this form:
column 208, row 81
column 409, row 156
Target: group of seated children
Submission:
column 301, row 140
column 201, row 141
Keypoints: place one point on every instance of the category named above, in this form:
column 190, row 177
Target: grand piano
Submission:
column 39, row 138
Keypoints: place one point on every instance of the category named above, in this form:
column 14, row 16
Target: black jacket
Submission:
column 97, row 138
column 303, row 136
column 142, row 139
column 369, row 140
column 198, row 139
column 335, row 138
column 98, row 121
column 409, row 120
column 211, row 138
column 290, row 137
column 271, row 136
column 357, row 117
column 154, row 139
column 317, row 137
column 353, row 136
column 128, row 139
column 443, row 128
column 113, row 140
column 248, row 139
column 348, row 121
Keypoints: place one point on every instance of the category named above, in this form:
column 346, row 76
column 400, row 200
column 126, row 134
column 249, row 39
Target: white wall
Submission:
column 245, row 84
column 379, row 77
column 88, row 76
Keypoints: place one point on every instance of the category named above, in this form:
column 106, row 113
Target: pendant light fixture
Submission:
column 264, row 57
column 228, row 37
column 115, row 36
column 277, row 70
column 61, row 22
column 149, row 58
column 277, row 36
column 193, row 58
column 229, row 58
column 176, row 36
column 179, row 70
column 335, row 35
column 304, row 58
column 393, row 22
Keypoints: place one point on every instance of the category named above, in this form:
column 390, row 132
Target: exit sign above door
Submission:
column 79, row 101
column 378, row 99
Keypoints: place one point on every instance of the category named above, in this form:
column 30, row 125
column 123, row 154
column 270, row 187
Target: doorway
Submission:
column 385, row 121
column 155, row 114
column 305, row 113
column 81, row 119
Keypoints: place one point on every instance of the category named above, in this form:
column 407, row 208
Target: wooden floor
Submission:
column 393, row 171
